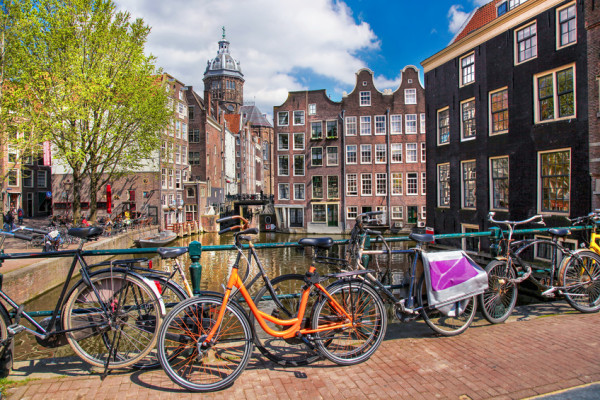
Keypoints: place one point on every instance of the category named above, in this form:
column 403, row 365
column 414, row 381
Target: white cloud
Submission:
column 271, row 39
column 457, row 18
column 480, row 3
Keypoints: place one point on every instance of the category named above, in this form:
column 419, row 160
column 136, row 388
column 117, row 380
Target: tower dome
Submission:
column 224, row 78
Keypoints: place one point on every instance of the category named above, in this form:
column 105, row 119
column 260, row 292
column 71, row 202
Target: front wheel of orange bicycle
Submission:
column 193, row 365
column 356, row 343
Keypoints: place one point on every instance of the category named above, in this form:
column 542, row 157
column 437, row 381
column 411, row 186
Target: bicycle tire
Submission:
column 584, row 296
column 348, row 346
column 499, row 299
column 285, row 352
column 172, row 294
column 446, row 325
column 131, row 300
column 7, row 350
column 219, row 365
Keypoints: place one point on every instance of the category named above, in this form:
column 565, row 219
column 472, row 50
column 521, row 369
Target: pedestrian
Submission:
column 9, row 221
column 20, row 215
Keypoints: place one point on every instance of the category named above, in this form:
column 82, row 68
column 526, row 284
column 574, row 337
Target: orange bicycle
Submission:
column 205, row 342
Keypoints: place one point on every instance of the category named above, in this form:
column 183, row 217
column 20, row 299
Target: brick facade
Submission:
column 592, row 25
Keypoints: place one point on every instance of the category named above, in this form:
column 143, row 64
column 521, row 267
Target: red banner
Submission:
column 47, row 153
column 108, row 199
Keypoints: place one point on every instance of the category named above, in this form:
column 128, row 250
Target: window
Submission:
column 365, row 98
column 567, row 25
column 467, row 69
column 554, row 181
column 366, row 184
column 365, row 125
column 178, row 154
column 332, row 156
column 298, row 164
column 380, row 154
column 332, row 187
column 351, row 154
column 191, row 110
column 526, row 43
column 397, row 184
column 411, row 124
column 194, row 157
column 468, row 184
column 396, row 124
column 194, row 136
column 423, row 183
column 381, row 184
column 331, row 129
column 351, row 212
column 397, row 212
column 351, row 185
column 396, row 152
column 502, row 8
column 282, row 118
column 365, row 154
column 380, row 124
column 299, row 141
column 296, row 217
column 284, row 191
column 299, row 117
column 41, row 179
column 316, row 156
column 499, row 183
column 423, row 212
column 422, row 120
column 298, row 191
column 443, row 117
column 284, row 167
column 513, row 3
column 443, row 185
column 423, row 152
column 316, row 130
column 312, row 109
column 318, row 213
column 350, row 126
column 412, row 183
column 411, row 153
column 470, row 244
column 499, row 111
column 467, row 119
column 283, row 141
column 27, row 178
column 410, row 96
column 555, row 95
column 317, row 187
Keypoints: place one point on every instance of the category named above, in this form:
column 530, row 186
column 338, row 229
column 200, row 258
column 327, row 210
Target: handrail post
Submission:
column 195, row 250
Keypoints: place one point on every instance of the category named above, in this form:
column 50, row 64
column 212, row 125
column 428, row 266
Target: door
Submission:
column 332, row 215
column 412, row 214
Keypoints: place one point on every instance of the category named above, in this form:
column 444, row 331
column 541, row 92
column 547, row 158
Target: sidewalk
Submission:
column 541, row 349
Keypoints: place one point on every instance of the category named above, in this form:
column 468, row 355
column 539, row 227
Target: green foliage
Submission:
column 90, row 89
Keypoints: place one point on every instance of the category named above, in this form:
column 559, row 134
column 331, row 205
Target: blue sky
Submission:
column 289, row 45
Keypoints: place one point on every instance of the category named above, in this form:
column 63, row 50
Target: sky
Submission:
column 291, row 45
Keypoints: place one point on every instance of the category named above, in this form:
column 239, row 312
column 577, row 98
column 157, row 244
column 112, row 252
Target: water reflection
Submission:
column 215, row 270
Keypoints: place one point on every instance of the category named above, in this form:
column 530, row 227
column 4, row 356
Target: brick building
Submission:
column 338, row 159
column 592, row 26
column 507, row 112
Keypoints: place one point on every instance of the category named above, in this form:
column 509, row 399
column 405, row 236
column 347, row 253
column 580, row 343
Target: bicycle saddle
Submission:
column 86, row 233
column 171, row 252
column 323, row 242
column 417, row 237
column 559, row 232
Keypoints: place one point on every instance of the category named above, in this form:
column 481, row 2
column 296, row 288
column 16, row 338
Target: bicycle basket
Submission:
column 452, row 276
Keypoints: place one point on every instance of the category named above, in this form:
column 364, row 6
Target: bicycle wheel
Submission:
column 285, row 352
column 347, row 346
column 499, row 299
column 204, row 368
column 581, row 278
column 114, row 319
column 457, row 320
column 172, row 294
column 7, row 350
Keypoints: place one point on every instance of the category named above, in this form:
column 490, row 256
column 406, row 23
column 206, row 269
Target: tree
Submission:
column 92, row 90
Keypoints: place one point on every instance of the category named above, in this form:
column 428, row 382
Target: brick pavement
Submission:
column 541, row 353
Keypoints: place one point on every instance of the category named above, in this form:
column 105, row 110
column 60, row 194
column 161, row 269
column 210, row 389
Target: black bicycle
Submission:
column 109, row 317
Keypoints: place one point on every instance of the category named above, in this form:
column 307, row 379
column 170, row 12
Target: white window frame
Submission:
column 311, row 156
column 37, row 178
column 337, row 156
column 463, row 186
column 294, row 140
column 463, row 241
column 423, row 126
column 491, row 114
column 312, row 109
column 355, row 154
column 396, row 176
column 281, row 114
column 397, row 151
column 410, row 96
column 348, row 176
column 539, row 182
column 469, row 69
column 412, row 155
column 301, row 115
column 381, row 178
column 279, row 144
column 367, row 149
column 303, row 165
column 313, row 213
column 423, row 152
column 536, row 102
column 438, row 182
column 365, row 122
column 398, row 213
column 279, row 191
column 516, row 43
column 462, row 120
column 354, row 212
column 363, row 184
column 303, row 191
column 559, row 26
column 423, row 183
column 396, row 124
column 492, row 186
column 365, row 98
column 412, row 177
column 351, row 126
column 381, row 149
column 437, row 123
column 380, row 123
column 411, row 124
column 288, row 166
column 312, row 181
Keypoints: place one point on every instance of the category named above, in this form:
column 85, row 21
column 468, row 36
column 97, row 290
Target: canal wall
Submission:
column 33, row 280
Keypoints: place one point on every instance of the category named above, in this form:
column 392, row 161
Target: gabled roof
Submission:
column 233, row 122
column 253, row 115
column 478, row 19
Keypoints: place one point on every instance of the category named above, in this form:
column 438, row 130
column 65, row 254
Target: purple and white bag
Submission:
column 452, row 277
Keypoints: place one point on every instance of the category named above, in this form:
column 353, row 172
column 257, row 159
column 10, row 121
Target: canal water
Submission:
column 215, row 270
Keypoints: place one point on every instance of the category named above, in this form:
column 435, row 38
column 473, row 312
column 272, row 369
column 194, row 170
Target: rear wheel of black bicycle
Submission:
column 581, row 278
column 499, row 299
column 285, row 352
column 449, row 320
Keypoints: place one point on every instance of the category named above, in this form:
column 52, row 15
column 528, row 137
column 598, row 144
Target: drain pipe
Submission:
column 388, row 168
column 342, row 162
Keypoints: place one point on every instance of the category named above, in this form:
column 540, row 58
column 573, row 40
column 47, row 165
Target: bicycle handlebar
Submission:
column 242, row 226
column 514, row 223
column 23, row 237
column 368, row 214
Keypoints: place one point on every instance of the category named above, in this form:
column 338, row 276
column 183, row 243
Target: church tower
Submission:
column 224, row 80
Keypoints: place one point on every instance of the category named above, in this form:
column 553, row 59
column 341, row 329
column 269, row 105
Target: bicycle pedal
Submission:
column 549, row 293
column 14, row 329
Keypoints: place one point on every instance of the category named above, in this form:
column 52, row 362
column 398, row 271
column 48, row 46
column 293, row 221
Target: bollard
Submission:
column 195, row 250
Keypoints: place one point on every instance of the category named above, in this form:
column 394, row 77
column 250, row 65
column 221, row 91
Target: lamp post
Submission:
column 68, row 186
